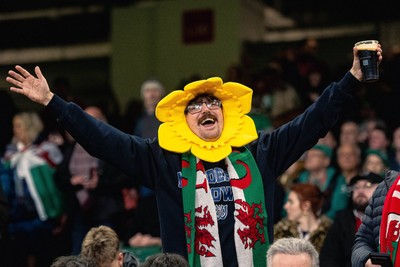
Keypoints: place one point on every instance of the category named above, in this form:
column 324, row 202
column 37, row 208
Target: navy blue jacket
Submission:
column 159, row 169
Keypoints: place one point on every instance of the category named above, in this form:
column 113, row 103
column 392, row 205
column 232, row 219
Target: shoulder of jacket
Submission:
column 390, row 177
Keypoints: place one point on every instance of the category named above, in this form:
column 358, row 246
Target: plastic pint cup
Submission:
column 368, row 60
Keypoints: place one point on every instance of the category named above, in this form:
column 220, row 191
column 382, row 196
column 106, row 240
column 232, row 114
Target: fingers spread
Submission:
column 16, row 76
column 39, row 72
column 23, row 71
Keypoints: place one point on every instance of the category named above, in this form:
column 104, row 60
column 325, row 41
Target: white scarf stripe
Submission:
column 204, row 199
column 244, row 256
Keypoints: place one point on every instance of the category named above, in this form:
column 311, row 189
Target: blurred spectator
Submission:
column 349, row 133
column 143, row 226
column 394, row 155
column 283, row 185
column 165, row 260
column 292, row 252
column 314, row 84
column 375, row 161
column 35, row 202
column 72, row 261
column 379, row 139
column 286, row 103
column 348, row 160
column 378, row 231
column 304, row 219
column 366, row 128
column 318, row 171
column 92, row 188
column 7, row 110
column 102, row 245
column 336, row 250
column 147, row 124
column 4, row 210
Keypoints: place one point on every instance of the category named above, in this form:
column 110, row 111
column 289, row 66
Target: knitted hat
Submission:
column 325, row 149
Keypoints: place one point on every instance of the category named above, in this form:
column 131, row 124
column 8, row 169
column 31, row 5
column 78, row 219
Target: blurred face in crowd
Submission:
column 293, row 207
column 348, row 157
column 297, row 260
column 374, row 163
column 315, row 160
column 20, row 130
column 396, row 139
column 377, row 140
column 362, row 191
column 151, row 94
column 349, row 133
column 205, row 118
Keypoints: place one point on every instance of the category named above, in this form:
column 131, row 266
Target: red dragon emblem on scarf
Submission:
column 254, row 227
column 203, row 238
column 392, row 235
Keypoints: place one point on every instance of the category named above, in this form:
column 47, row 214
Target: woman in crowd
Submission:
column 375, row 161
column 33, row 197
column 303, row 219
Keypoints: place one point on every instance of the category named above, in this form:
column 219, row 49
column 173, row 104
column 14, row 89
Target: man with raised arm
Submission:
column 213, row 174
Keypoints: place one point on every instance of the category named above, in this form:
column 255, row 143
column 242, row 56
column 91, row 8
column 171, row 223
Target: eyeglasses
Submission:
column 367, row 185
column 196, row 107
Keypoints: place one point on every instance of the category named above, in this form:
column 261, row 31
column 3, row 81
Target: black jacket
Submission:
column 336, row 250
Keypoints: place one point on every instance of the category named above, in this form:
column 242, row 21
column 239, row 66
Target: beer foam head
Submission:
column 367, row 45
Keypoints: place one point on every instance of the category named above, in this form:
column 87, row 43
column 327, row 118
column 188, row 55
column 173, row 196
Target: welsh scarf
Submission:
column 390, row 224
column 201, row 225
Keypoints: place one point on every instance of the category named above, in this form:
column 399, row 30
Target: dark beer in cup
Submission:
column 368, row 60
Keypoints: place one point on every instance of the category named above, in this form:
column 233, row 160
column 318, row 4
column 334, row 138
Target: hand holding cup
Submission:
column 369, row 59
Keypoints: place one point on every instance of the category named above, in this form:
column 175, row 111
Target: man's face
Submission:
column 348, row 158
column 151, row 96
column 315, row 160
column 206, row 122
column 377, row 140
column 286, row 260
column 349, row 133
column 362, row 192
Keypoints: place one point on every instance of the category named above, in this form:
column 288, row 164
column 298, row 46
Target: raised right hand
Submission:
column 36, row 89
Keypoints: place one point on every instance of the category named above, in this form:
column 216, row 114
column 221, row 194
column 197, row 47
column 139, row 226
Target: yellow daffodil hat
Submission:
column 175, row 135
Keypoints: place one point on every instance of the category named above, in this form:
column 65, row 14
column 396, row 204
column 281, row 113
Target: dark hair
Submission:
column 309, row 192
column 206, row 96
column 72, row 261
column 165, row 260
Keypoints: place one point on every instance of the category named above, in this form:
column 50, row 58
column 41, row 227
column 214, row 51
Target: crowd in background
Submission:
column 69, row 191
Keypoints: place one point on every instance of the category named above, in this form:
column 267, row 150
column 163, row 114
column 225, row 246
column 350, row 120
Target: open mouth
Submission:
column 207, row 119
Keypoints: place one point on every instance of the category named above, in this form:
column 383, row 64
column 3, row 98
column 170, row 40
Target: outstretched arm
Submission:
column 36, row 89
